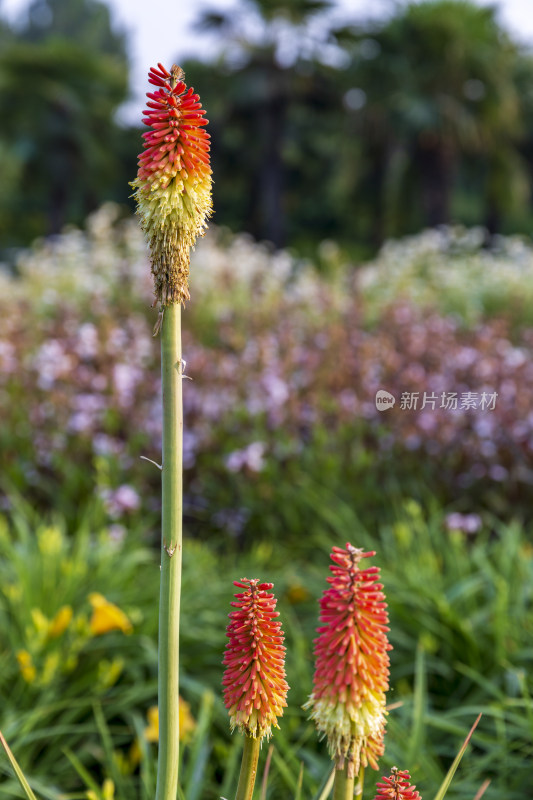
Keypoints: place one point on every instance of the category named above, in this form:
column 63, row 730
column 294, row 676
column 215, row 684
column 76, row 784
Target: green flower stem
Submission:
column 343, row 788
column 250, row 757
column 171, row 546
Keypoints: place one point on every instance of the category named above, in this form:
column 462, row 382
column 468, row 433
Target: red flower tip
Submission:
column 177, row 147
column 255, row 688
column 396, row 787
column 351, row 661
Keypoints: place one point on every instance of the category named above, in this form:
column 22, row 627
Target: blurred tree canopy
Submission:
column 63, row 75
column 376, row 129
column 84, row 21
column 440, row 89
column 352, row 131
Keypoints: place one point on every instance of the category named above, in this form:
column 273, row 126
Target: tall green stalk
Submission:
column 250, row 757
column 171, row 551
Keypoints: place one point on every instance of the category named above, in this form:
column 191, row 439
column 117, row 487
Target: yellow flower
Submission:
column 186, row 722
column 60, row 622
column 51, row 665
column 135, row 754
column 297, row 593
column 109, row 672
column 50, row 541
column 26, row 666
column 151, row 733
column 40, row 622
column 13, row 592
column 107, row 793
column 107, row 616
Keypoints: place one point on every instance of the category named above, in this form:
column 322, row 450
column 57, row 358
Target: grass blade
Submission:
column 266, row 770
column 482, row 789
column 107, row 743
column 418, row 725
column 451, row 772
column 26, row 788
column 232, row 766
column 201, row 746
column 86, row 777
column 298, row 794
column 147, row 771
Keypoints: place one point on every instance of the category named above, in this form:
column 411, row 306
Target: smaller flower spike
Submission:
column 255, row 688
column 352, row 663
column 173, row 184
column 397, row 787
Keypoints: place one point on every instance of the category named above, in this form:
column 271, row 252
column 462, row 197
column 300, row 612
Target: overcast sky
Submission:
column 161, row 30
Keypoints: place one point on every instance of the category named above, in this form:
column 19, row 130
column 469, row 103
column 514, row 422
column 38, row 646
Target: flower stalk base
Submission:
column 250, row 758
column 171, row 548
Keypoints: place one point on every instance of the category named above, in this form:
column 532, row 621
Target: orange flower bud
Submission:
column 255, row 688
column 397, row 787
column 352, row 662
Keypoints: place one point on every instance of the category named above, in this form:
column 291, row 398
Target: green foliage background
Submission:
column 460, row 603
column 461, row 627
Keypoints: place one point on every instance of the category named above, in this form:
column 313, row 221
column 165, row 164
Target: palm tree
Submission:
column 439, row 84
column 266, row 44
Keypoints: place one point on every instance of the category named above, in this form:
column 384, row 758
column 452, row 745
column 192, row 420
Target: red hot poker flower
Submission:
column 255, row 688
column 352, row 662
column 173, row 185
column 397, row 787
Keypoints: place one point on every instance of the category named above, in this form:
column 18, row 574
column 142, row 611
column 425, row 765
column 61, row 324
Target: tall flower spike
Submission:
column 396, row 787
column 255, row 688
column 173, row 184
column 352, row 662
